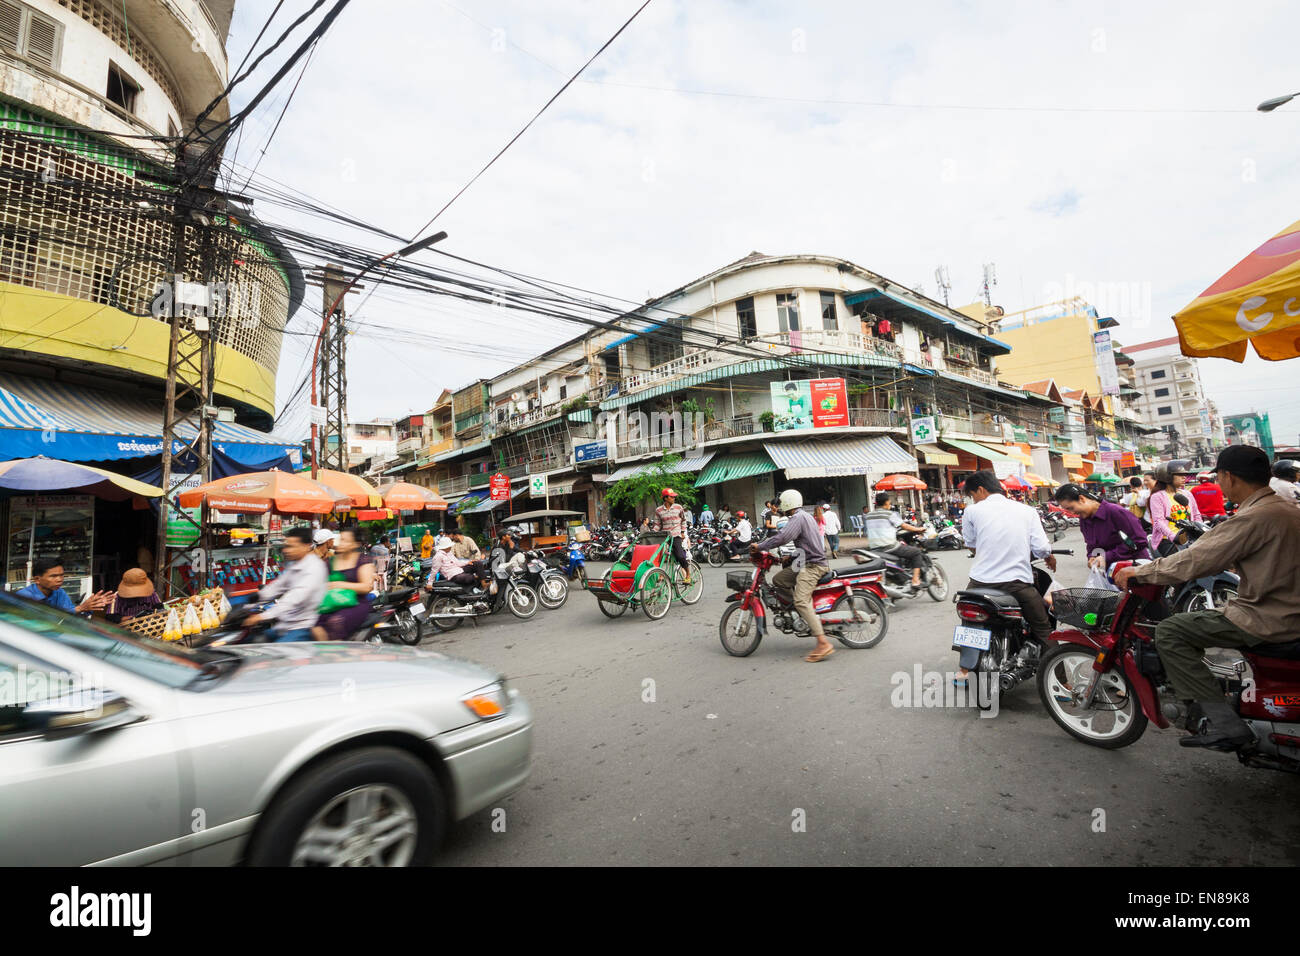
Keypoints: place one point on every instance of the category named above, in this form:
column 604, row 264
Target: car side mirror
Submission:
column 83, row 713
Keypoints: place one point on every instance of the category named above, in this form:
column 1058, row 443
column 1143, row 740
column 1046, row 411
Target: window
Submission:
column 1164, row 410
column 1158, row 373
column 30, row 34
column 787, row 311
column 745, row 318
column 122, row 89
column 564, row 392
column 829, row 319
column 1162, row 393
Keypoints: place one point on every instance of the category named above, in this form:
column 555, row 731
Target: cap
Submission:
column 445, row 544
column 668, row 493
column 1246, row 462
column 322, row 536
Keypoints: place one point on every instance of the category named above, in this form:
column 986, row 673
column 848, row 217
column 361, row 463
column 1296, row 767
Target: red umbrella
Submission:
column 1016, row 483
column 901, row 483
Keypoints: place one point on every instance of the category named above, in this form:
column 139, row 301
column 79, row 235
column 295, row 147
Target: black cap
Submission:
column 1245, row 462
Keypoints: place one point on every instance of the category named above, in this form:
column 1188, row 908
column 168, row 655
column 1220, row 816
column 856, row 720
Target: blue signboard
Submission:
column 592, row 451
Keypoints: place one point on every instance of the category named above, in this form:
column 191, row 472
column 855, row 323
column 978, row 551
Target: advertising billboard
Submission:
column 809, row 403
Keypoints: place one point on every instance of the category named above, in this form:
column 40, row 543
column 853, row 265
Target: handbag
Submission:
column 336, row 599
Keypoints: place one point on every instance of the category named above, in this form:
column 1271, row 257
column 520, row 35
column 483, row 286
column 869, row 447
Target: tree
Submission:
column 647, row 485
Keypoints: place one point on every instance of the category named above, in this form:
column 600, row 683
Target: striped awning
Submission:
column 731, row 467
column 872, row 455
column 40, row 417
column 692, row 463
column 987, row 452
column 934, row 455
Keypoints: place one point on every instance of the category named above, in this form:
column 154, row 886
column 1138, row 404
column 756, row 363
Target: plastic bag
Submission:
column 336, row 599
column 1098, row 581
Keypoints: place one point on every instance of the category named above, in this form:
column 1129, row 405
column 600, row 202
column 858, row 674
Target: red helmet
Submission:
column 668, row 493
column 740, row 514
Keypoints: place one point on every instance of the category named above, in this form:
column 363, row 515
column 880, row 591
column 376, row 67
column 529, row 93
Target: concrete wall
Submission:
column 1059, row 349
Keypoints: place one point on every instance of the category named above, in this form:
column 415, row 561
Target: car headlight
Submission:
column 488, row 702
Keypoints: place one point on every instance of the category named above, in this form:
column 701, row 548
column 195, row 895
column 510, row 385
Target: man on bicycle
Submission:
column 670, row 517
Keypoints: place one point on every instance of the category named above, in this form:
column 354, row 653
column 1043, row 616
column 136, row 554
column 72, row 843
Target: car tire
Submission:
column 393, row 771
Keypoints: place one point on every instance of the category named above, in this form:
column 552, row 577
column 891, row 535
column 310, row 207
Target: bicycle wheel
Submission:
column 656, row 593
column 688, row 593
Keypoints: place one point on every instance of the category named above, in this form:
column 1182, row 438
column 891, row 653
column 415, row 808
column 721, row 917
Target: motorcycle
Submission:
column 720, row 548
column 571, row 562
column 1208, row 593
column 551, row 584
column 1104, row 681
column 394, row 618
column 898, row 579
column 946, row 536
column 992, row 622
column 848, row 602
column 451, row 604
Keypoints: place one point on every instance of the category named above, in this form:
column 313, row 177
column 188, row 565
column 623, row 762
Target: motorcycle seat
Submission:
column 876, row 564
column 399, row 596
column 445, row 586
column 1288, row 651
column 994, row 597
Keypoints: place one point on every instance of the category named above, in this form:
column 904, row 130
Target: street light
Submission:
column 401, row 253
column 1269, row 106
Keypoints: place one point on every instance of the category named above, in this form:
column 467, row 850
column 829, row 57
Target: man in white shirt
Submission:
column 1004, row 536
column 832, row 521
column 297, row 592
column 744, row 534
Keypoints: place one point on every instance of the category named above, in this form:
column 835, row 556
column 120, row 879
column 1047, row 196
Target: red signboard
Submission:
column 1128, row 460
column 830, row 402
column 500, row 485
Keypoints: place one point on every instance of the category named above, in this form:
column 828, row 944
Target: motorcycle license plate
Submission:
column 417, row 608
column 975, row 637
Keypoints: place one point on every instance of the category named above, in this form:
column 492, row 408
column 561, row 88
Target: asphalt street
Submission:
column 654, row 746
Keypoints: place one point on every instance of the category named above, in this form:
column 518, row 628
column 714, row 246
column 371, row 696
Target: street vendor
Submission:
column 47, row 588
column 135, row 597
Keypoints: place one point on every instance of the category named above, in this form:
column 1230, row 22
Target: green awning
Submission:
column 978, row 450
column 735, row 466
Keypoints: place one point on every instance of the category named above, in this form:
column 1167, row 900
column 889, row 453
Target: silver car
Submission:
column 121, row 750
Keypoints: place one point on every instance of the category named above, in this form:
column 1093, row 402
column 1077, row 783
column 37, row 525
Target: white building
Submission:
column 1173, row 396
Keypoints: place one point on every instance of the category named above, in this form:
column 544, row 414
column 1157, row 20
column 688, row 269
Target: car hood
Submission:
column 310, row 668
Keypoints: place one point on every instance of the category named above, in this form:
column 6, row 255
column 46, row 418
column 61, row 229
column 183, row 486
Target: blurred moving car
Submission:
column 121, row 750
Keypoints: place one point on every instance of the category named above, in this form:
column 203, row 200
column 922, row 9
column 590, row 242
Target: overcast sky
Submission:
column 1110, row 150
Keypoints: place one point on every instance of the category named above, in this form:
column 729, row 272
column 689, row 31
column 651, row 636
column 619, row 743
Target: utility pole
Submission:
column 188, row 306
column 333, row 372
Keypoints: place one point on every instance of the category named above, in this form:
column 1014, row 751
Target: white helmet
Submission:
column 790, row 501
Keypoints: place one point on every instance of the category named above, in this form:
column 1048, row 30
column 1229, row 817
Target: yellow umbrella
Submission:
column 1038, row 481
column 1257, row 301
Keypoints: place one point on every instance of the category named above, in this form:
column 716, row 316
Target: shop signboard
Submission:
column 183, row 526
column 1128, row 460
column 809, row 403
column 500, row 486
column 923, row 430
column 591, row 451
column 537, row 486
column 1106, row 449
column 1104, row 354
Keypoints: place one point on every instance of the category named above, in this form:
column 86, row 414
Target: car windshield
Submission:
column 166, row 663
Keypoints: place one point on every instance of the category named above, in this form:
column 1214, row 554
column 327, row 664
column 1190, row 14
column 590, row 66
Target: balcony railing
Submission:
column 516, row 422
column 877, row 418
column 479, row 479
column 453, row 486
column 963, row 425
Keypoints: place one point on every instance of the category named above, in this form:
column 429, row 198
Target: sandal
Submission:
column 814, row 657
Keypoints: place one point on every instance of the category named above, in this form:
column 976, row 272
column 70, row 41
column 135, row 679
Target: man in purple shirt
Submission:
column 801, row 531
column 1102, row 523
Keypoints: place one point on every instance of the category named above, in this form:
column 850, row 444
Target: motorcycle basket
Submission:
column 1086, row 608
column 739, row 580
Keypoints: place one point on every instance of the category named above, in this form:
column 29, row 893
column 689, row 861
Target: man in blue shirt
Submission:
column 47, row 587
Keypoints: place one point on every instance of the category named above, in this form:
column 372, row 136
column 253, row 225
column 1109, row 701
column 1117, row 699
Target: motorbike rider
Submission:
column 797, row 585
column 1261, row 542
column 1004, row 537
column 457, row 570
column 1283, row 482
column 744, row 534
column 297, row 592
column 1101, row 523
column 670, row 518
column 1209, row 497
column 881, row 527
column 1163, row 507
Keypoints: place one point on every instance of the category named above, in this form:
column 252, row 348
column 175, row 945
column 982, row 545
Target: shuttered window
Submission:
column 30, row 34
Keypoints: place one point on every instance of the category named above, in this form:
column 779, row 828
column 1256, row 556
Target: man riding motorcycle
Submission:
column 744, row 534
column 882, row 527
column 1261, row 543
column 1285, row 474
column 802, row 531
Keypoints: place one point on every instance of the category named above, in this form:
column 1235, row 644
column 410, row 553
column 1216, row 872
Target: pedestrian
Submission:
column 1134, row 500
column 706, row 516
column 426, row 545
column 833, row 528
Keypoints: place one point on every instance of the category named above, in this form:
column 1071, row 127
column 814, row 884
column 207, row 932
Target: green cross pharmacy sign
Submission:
column 923, row 430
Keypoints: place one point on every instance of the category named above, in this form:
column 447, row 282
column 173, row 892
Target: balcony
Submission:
column 453, row 486
column 437, row 448
column 961, row 370
column 964, row 425
column 479, row 479
column 516, row 422
column 877, row 418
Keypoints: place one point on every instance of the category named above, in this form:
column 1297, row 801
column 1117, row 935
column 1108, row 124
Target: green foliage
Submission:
column 692, row 406
column 647, row 485
column 578, row 403
column 767, row 420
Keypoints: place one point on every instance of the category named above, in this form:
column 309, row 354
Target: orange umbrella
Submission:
column 362, row 492
column 262, row 491
column 404, row 496
column 901, row 483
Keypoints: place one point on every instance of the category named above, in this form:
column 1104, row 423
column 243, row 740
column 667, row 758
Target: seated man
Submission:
column 464, row 547
column 881, row 528
column 744, row 535
column 454, row 569
column 1261, row 542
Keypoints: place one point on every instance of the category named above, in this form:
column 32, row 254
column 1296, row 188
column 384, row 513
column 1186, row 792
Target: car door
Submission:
column 90, row 796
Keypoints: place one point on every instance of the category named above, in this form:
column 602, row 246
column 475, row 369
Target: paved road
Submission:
column 732, row 754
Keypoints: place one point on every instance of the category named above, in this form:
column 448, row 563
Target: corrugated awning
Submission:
column 934, row 455
column 487, row 504
column 874, row 455
column 39, row 417
column 694, row 463
column 979, row 451
column 732, row 467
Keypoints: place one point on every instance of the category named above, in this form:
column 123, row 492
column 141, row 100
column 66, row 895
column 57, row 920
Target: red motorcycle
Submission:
column 1103, row 681
column 848, row 601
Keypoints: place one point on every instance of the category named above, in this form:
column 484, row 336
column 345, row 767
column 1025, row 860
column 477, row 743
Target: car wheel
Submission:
column 378, row 806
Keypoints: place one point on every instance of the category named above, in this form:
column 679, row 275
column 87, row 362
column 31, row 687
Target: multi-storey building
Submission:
column 701, row 363
column 1173, row 399
column 372, row 446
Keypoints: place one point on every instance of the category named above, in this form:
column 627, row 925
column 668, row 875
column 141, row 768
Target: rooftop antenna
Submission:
column 990, row 280
column 943, row 282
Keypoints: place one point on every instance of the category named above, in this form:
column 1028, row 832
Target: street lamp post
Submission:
column 329, row 314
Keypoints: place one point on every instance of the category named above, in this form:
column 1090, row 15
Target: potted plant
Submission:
column 767, row 420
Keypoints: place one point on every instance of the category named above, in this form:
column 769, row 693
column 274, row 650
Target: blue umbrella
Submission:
column 50, row 474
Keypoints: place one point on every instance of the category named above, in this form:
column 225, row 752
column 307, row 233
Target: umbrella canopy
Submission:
column 1254, row 302
column 1037, row 480
column 1016, row 483
column 362, row 492
column 404, row 496
column 50, row 474
column 262, row 491
column 1105, row 478
column 901, row 483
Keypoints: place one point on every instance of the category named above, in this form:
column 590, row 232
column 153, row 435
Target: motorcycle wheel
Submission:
column 738, row 631
column 1199, row 601
column 1116, row 719
column 872, row 630
column 581, row 576
column 688, row 593
column 553, row 590
column 441, row 617
column 937, row 583
column 523, row 601
column 410, row 629
column 717, row 557
column 656, row 593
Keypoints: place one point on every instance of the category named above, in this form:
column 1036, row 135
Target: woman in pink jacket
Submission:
column 1163, row 509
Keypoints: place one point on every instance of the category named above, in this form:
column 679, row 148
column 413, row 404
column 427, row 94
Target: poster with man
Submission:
column 809, row 403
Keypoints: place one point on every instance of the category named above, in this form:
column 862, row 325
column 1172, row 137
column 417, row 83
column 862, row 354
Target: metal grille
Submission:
column 104, row 19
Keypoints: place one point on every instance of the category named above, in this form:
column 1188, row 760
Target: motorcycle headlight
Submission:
column 488, row 702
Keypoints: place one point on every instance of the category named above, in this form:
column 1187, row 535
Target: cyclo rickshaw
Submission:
column 646, row 575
